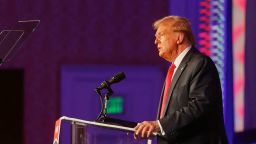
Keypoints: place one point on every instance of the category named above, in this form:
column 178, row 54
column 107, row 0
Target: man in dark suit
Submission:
column 190, row 109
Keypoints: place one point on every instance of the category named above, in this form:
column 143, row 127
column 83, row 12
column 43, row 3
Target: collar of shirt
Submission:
column 180, row 57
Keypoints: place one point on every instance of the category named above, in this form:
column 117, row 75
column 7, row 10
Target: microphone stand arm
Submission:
column 104, row 103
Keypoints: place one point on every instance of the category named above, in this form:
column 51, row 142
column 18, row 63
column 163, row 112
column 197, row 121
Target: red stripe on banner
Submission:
column 57, row 131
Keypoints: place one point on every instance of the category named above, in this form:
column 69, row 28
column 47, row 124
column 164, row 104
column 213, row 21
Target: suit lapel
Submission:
column 160, row 102
column 177, row 75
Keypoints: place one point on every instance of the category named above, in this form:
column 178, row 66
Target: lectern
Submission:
column 91, row 132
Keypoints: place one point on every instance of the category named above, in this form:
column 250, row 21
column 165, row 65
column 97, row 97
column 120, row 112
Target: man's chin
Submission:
column 160, row 54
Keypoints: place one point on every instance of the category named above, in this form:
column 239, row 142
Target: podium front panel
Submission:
column 99, row 135
column 90, row 134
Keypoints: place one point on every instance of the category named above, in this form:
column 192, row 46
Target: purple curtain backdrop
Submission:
column 250, row 69
column 76, row 32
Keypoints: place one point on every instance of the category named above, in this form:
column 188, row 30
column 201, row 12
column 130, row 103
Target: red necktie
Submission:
column 168, row 82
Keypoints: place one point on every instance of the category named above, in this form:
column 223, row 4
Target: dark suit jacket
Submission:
column 194, row 113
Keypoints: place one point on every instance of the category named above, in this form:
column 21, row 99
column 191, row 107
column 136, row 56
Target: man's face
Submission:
column 166, row 42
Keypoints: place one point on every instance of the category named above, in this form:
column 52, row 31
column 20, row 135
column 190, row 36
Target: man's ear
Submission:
column 180, row 38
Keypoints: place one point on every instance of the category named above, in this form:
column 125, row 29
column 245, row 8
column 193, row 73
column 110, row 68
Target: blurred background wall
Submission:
column 117, row 33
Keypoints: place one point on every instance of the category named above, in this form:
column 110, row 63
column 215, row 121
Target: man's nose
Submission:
column 156, row 40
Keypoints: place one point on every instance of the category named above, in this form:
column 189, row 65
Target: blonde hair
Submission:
column 177, row 24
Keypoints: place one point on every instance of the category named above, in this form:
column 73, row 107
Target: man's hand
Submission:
column 146, row 129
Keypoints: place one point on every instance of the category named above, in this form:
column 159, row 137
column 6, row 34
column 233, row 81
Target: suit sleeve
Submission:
column 203, row 83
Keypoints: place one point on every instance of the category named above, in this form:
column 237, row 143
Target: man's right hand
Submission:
column 146, row 129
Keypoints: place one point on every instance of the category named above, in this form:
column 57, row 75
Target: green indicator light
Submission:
column 115, row 105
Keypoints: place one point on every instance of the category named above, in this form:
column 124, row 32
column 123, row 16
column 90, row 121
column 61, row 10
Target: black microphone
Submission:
column 115, row 79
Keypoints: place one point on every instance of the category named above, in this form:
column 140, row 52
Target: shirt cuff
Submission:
column 161, row 128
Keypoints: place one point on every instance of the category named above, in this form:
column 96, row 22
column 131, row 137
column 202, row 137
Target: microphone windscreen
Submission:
column 117, row 78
